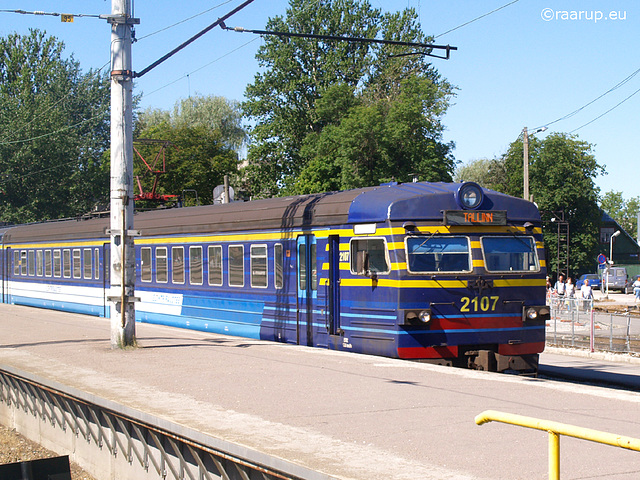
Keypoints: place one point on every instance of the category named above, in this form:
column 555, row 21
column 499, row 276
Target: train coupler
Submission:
column 490, row 361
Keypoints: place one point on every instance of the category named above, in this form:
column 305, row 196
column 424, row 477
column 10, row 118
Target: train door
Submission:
column 307, row 288
column 106, row 283
column 3, row 272
column 8, row 255
column 334, row 286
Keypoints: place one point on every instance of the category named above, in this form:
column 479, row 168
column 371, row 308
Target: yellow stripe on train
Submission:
column 387, row 282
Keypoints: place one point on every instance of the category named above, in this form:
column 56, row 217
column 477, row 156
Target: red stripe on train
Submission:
column 428, row 352
column 521, row 349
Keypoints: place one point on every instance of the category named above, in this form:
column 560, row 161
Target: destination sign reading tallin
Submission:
column 475, row 217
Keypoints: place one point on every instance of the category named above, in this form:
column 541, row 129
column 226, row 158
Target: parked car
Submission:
column 594, row 281
column 616, row 278
column 630, row 282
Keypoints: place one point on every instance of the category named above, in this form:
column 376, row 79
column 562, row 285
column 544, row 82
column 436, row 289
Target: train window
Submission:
column 16, row 262
column 368, row 256
column 96, row 262
column 438, row 254
column 278, row 260
column 77, row 263
column 510, row 254
column 215, row 265
column 236, row 265
column 161, row 265
column 302, row 262
column 48, row 264
column 39, row 263
column 195, row 265
column 258, row 265
column 145, row 264
column 23, row 262
column 32, row 262
column 88, row 263
column 107, row 264
column 177, row 264
column 57, row 264
column 66, row 263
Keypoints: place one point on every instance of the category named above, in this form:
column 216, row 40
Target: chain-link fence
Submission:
column 575, row 323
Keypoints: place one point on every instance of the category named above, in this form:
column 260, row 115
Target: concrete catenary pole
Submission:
column 525, row 163
column 122, row 268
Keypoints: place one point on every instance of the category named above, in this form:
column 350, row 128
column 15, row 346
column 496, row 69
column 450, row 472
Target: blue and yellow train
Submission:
column 450, row 273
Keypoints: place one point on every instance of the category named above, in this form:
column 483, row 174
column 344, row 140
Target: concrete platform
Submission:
column 349, row 416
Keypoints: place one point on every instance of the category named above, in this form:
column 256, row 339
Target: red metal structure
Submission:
column 153, row 196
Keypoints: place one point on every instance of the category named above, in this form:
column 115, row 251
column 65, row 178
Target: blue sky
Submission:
column 527, row 64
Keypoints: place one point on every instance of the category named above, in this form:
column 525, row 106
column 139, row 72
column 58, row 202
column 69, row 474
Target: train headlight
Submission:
column 469, row 195
column 425, row 316
column 532, row 313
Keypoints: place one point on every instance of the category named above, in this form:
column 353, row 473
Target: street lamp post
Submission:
column 617, row 232
column 525, row 159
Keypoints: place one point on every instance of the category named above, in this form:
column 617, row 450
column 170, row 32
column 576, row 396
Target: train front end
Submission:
column 471, row 278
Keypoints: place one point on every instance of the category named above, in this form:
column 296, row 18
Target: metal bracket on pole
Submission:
column 128, row 233
column 122, row 75
column 127, row 299
column 120, row 19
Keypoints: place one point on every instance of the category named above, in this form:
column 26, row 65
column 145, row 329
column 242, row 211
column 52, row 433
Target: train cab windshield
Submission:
column 510, row 254
column 438, row 254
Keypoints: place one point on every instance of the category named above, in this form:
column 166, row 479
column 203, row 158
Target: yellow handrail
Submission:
column 555, row 429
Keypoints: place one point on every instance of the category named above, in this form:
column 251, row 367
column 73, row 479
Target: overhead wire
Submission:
column 615, row 87
column 219, row 21
column 309, row 6
column 63, row 129
column 602, row 115
column 4, row 141
column 200, row 68
column 476, row 19
column 183, row 21
column 51, row 14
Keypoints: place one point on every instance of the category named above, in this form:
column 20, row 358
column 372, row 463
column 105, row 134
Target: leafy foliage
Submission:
column 211, row 112
column 561, row 175
column 335, row 114
column 54, row 128
column 487, row 172
column 625, row 212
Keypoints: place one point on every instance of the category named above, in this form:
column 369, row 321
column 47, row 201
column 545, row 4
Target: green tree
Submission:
column 625, row 212
column 54, row 128
column 562, row 172
column 211, row 112
column 382, row 110
column 487, row 172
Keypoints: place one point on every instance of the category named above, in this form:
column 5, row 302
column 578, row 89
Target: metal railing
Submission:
column 555, row 429
column 575, row 323
column 120, row 442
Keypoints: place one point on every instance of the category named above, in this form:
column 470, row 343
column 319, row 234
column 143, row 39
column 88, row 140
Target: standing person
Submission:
column 570, row 292
column 560, row 289
column 560, row 286
column 586, row 293
column 636, row 288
